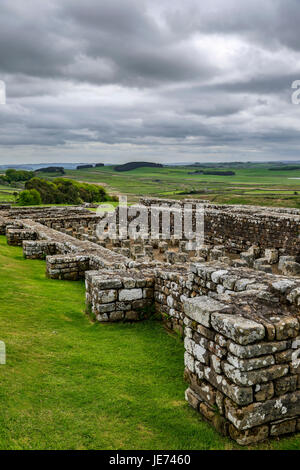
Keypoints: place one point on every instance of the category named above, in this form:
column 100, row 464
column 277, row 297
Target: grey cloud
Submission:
column 187, row 76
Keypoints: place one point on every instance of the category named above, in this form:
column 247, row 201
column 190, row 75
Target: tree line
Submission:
column 61, row 191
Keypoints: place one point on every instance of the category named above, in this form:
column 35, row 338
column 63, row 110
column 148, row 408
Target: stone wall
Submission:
column 39, row 249
column 119, row 296
column 175, row 284
column 67, row 267
column 82, row 227
column 241, row 375
column 35, row 213
column 17, row 236
column 238, row 227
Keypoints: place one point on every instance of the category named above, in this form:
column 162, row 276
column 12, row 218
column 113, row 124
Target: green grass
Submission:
column 73, row 384
column 7, row 193
column 6, row 197
column 252, row 184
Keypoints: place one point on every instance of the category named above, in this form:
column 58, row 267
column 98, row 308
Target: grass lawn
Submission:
column 72, row 384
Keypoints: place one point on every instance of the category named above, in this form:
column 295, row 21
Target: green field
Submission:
column 7, row 193
column 73, row 384
column 254, row 184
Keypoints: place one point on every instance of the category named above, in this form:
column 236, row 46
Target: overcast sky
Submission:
column 158, row 80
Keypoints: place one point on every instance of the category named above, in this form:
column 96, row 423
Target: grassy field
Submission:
column 251, row 184
column 255, row 184
column 73, row 384
column 7, row 193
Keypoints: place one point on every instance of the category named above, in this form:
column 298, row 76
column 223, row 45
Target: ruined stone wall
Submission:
column 239, row 231
column 238, row 227
column 119, row 295
column 16, row 236
column 175, row 284
column 82, row 227
column 39, row 249
column 67, row 267
column 242, row 375
column 35, row 213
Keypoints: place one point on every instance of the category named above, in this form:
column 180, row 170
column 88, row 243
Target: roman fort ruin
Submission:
column 233, row 295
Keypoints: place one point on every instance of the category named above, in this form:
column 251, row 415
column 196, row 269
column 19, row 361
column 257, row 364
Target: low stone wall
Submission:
column 64, row 243
column 242, row 377
column 238, row 227
column 17, row 236
column 39, row 249
column 77, row 226
column 34, row 213
column 175, row 284
column 238, row 231
column 119, row 296
column 71, row 268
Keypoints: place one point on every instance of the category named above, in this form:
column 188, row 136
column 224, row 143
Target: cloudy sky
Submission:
column 158, row 80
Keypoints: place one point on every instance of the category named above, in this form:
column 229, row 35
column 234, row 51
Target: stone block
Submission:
column 286, row 426
column 130, row 294
column 253, row 377
column 200, row 309
column 249, row 436
column 237, row 328
column 263, row 412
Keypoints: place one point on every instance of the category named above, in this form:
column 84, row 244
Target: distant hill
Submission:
column 285, row 168
column 213, row 172
column 84, row 167
column 51, row 169
column 39, row 166
column 134, row 165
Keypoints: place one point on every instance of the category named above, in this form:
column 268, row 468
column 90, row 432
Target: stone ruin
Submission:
column 235, row 299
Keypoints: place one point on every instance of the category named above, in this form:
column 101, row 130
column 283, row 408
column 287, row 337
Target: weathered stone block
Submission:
column 291, row 268
column 130, row 294
column 263, row 412
column 237, row 328
column 116, row 316
column 201, row 308
column 285, row 385
column 286, row 327
column 105, row 308
column 107, row 296
column 255, row 350
column 283, row 427
column 192, row 398
column 249, row 436
column 189, row 361
column 264, row 392
column 253, row 377
column 250, row 364
column 132, row 315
